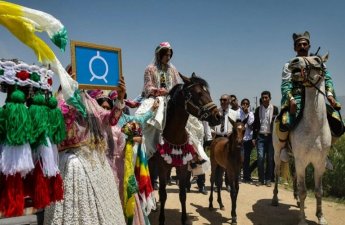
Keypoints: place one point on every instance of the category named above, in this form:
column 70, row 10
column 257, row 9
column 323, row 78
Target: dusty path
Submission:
column 254, row 207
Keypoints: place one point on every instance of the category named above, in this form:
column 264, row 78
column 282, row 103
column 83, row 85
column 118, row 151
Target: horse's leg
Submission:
column 318, row 172
column 183, row 174
column 163, row 172
column 233, row 178
column 219, row 178
column 212, row 180
column 300, row 172
column 294, row 181
column 277, row 175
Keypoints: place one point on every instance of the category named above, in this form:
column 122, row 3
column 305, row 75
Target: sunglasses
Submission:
column 245, row 103
column 223, row 100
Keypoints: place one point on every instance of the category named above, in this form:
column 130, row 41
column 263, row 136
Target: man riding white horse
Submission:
column 292, row 102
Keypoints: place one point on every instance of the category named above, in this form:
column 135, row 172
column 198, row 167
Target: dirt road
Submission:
column 253, row 207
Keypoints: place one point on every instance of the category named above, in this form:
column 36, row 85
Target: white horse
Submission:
column 311, row 138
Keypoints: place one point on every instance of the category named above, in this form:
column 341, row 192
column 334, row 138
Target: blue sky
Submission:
column 239, row 47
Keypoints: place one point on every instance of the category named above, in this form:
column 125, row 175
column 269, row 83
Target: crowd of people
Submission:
column 87, row 163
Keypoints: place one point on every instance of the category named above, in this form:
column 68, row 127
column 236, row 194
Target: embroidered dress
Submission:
column 152, row 83
column 91, row 194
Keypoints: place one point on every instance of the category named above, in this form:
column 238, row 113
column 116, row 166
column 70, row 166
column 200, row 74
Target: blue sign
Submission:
column 96, row 66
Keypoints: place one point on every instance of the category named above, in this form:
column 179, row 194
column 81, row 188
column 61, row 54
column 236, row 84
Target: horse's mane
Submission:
column 196, row 79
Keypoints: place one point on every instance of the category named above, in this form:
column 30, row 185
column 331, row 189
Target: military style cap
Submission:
column 298, row 36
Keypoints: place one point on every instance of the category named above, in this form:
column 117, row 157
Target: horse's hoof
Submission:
column 323, row 221
column 298, row 205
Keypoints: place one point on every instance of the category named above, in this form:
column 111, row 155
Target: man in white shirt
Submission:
column 262, row 132
column 247, row 139
column 224, row 129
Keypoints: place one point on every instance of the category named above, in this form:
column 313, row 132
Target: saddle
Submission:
column 287, row 122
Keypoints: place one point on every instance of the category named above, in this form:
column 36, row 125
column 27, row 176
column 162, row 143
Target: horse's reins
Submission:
column 204, row 111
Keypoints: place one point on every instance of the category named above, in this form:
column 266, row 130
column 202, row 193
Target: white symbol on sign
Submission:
column 100, row 77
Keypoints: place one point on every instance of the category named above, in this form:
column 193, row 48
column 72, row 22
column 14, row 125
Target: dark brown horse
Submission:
column 193, row 98
column 226, row 155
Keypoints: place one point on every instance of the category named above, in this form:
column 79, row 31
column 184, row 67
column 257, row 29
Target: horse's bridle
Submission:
column 305, row 72
column 203, row 112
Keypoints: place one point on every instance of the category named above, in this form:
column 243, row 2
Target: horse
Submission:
column 225, row 154
column 191, row 97
column 311, row 138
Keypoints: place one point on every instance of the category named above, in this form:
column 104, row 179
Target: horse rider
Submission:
column 159, row 78
column 292, row 102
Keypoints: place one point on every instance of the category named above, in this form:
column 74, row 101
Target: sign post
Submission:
column 96, row 66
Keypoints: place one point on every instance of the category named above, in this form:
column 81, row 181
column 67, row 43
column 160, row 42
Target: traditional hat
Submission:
column 298, row 36
column 163, row 45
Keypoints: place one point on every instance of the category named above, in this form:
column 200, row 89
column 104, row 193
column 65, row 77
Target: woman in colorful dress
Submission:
column 91, row 194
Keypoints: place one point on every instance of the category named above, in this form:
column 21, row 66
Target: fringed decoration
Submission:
column 28, row 185
column 41, row 197
column 48, row 158
column 177, row 155
column 57, row 127
column 12, row 198
column 40, row 122
column 16, row 159
column 56, row 187
column 60, row 39
column 142, row 175
column 17, row 120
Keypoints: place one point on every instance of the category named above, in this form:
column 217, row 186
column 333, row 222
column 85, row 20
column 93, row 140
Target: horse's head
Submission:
column 308, row 70
column 197, row 100
column 238, row 130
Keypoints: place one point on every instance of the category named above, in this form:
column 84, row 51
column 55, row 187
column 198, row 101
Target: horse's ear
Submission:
column 231, row 121
column 185, row 79
column 325, row 57
column 193, row 74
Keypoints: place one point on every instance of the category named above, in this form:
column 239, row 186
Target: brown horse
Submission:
column 226, row 155
column 193, row 98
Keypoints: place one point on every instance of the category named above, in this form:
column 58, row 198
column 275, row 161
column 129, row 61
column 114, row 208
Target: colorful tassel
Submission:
column 57, row 127
column 41, row 197
column 17, row 120
column 40, row 122
column 56, row 187
column 12, row 198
